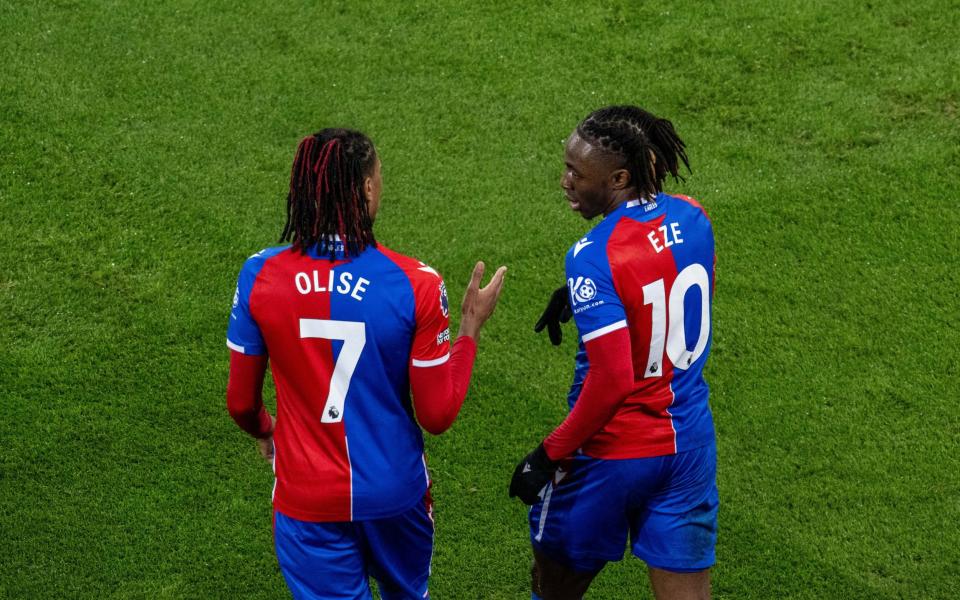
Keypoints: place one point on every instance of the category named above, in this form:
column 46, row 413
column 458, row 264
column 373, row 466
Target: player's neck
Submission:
column 619, row 197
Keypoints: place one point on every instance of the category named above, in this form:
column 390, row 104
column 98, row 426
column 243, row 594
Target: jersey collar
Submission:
column 314, row 250
column 639, row 208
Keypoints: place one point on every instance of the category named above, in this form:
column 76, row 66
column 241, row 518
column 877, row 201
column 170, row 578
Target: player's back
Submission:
column 659, row 256
column 339, row 334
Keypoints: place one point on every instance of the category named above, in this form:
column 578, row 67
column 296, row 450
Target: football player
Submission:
column 636, row 456
column 358, row 340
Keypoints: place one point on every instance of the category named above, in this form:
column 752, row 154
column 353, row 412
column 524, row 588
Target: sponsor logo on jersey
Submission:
column 582, row 289
column 236, row 297
column 444, row 303
column 443, row 336
column 584, row 307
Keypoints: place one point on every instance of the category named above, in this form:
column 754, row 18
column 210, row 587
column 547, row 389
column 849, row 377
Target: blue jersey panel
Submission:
column 581, row 365
column 593, row 297
column 384, row 442
column 695, row 262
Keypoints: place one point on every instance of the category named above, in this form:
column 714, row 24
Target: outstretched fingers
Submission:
column 477, row 275
column 496, row 282
column 479, row 303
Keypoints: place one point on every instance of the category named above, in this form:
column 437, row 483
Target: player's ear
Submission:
column 372, row 194
column 620, row 179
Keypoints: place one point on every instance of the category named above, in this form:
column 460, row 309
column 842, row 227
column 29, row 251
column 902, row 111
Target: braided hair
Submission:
column 327, row 199
column 634, row 134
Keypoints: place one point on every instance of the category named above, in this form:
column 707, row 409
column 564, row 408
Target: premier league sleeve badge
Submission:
column 444, row 302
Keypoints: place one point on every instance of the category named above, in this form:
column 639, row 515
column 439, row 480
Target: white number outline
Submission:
column 675, row 338
column 354, row 337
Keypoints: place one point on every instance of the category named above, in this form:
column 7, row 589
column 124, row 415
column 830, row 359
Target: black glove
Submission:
column 532, row 475
column 557, row 311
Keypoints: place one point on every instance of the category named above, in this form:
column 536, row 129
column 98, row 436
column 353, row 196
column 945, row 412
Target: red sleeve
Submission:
column 431, row 340
column 245, row 393
column 439, row 390
column 608, row 383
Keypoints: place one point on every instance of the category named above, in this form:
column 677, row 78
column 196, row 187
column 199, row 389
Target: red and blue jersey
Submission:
column 341, row 336
column 648, row 267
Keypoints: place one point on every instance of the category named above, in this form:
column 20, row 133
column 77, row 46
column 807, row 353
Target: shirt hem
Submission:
column 312, row 516
column 646, row 451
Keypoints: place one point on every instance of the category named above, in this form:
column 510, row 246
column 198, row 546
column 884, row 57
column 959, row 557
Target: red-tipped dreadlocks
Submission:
column 326, row 200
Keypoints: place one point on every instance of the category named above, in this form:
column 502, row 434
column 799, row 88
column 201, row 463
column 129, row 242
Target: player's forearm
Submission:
column 439, row 391
column 245, row 394
column 608, row 383
column 257, row 424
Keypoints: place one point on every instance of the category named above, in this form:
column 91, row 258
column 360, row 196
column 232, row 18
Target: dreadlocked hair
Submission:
column 634, row 134
column 327, row 201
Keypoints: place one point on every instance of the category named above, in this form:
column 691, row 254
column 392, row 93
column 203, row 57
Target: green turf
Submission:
column 144, row 151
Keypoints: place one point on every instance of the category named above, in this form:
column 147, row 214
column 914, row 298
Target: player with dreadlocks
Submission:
column 636, row 455
column 331, row 166
column 358, row 341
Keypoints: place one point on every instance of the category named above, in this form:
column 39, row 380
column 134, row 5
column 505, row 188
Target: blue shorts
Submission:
column 334, row 560
column 668, row 504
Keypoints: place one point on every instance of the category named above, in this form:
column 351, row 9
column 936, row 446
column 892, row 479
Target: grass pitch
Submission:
column 144, row 153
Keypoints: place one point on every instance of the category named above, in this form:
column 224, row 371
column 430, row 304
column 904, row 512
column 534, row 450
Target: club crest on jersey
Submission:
column 444, row 302
column 582, row 289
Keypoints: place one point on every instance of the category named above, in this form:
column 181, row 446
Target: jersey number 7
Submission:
column 354, row 337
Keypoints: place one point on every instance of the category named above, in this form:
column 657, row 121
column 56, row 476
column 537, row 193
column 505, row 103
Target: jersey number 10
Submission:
column 676, row 336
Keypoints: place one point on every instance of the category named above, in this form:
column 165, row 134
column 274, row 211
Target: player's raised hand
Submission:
column 479, row 303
